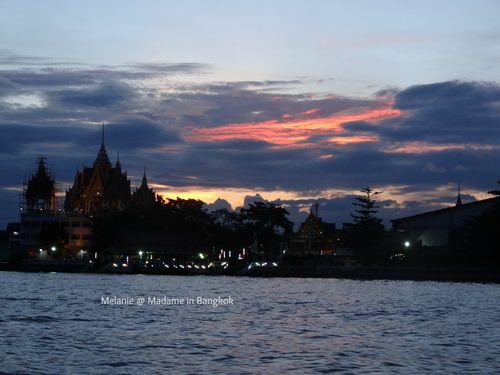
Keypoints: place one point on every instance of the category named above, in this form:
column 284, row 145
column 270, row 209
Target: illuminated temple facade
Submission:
column 100, row 188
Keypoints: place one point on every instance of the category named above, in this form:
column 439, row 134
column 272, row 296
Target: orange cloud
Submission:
column 353, row 139
column 310, row 111
column 289, row 133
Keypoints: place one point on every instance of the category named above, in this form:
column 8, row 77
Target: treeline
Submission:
column 263, row 228
column 184, row 225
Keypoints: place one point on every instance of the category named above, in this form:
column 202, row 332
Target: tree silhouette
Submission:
column 367, row 208
column 267, row 223
column 366, row 234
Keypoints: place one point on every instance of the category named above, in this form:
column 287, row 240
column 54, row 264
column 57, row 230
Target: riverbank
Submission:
column 452, row 274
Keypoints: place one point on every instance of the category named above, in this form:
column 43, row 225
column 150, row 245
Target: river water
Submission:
column 53, row 323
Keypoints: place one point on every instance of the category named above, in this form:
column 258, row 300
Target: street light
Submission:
column 53, row 248
column 407, row 243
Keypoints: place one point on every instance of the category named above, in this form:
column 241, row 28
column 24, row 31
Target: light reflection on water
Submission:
column 55, row 323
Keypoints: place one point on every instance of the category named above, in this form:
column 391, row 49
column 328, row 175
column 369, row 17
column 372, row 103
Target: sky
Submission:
column 294, row 102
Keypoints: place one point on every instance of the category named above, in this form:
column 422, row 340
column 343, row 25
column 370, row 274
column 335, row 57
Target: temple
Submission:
column 144, row 196
column 40, row 192
column 100, row 188
column 41, row 223
column 314, row 237
column 46, row 231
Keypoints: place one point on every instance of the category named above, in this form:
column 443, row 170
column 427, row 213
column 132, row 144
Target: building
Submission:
column 431, row 229
column 78, row 229
column 40, row 193
column 99, row 189
column 314, row 236
column 46, row 231
column 96, row 190
column 41, row 224
column 144, row 196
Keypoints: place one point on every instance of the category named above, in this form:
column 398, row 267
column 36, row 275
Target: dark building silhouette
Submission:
column 144, row 196
column 100, row 188
column 40, row 191
column 432, row 229
column 40, row 220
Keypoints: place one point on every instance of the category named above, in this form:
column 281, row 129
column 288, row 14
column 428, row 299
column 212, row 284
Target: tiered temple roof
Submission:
column 40, row 192
column 99, row 188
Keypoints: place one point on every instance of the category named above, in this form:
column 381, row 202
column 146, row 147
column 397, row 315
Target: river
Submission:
column 55, row 323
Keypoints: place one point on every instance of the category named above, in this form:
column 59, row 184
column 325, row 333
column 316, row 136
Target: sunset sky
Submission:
column 296, row 101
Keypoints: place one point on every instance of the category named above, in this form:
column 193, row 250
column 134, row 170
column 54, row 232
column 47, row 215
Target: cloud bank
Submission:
column 414, row 143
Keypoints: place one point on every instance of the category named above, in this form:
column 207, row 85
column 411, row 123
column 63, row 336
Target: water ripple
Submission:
column 54, row 323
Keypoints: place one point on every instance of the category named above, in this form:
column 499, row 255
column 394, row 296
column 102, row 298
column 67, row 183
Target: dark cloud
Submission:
column 108, row 94
column 7, row 86
column 133, row 133
column 359, row 126
column 19, row 137
column 152, row 128
column 20, row 60
column 50, row 77
column 170, row 67
column 447, row 112
column 453, row 95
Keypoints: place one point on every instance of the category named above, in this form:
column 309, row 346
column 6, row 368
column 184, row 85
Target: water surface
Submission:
column 54, row 323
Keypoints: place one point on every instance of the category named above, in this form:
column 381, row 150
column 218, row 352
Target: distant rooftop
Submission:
column 462, row 206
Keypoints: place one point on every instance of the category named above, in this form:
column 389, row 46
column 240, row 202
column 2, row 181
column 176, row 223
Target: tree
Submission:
column 367, row 208
column 267, row 223
column 179, row 224
column 366, row 234
column 226, row 230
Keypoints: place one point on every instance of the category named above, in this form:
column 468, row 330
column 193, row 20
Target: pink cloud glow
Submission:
column 292, row 131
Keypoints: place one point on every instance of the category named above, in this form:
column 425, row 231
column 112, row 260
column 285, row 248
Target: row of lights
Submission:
column 264, row 264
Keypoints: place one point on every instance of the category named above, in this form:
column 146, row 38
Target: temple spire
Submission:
column 143, row 196
column 41, row 165
column 118, row 165
column 102, row 159
column 459, row 197
column 144, row 179
column 102, row 137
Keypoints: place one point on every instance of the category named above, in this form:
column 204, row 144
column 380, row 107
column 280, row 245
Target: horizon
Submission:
column 221, row 202
column 297, row 101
